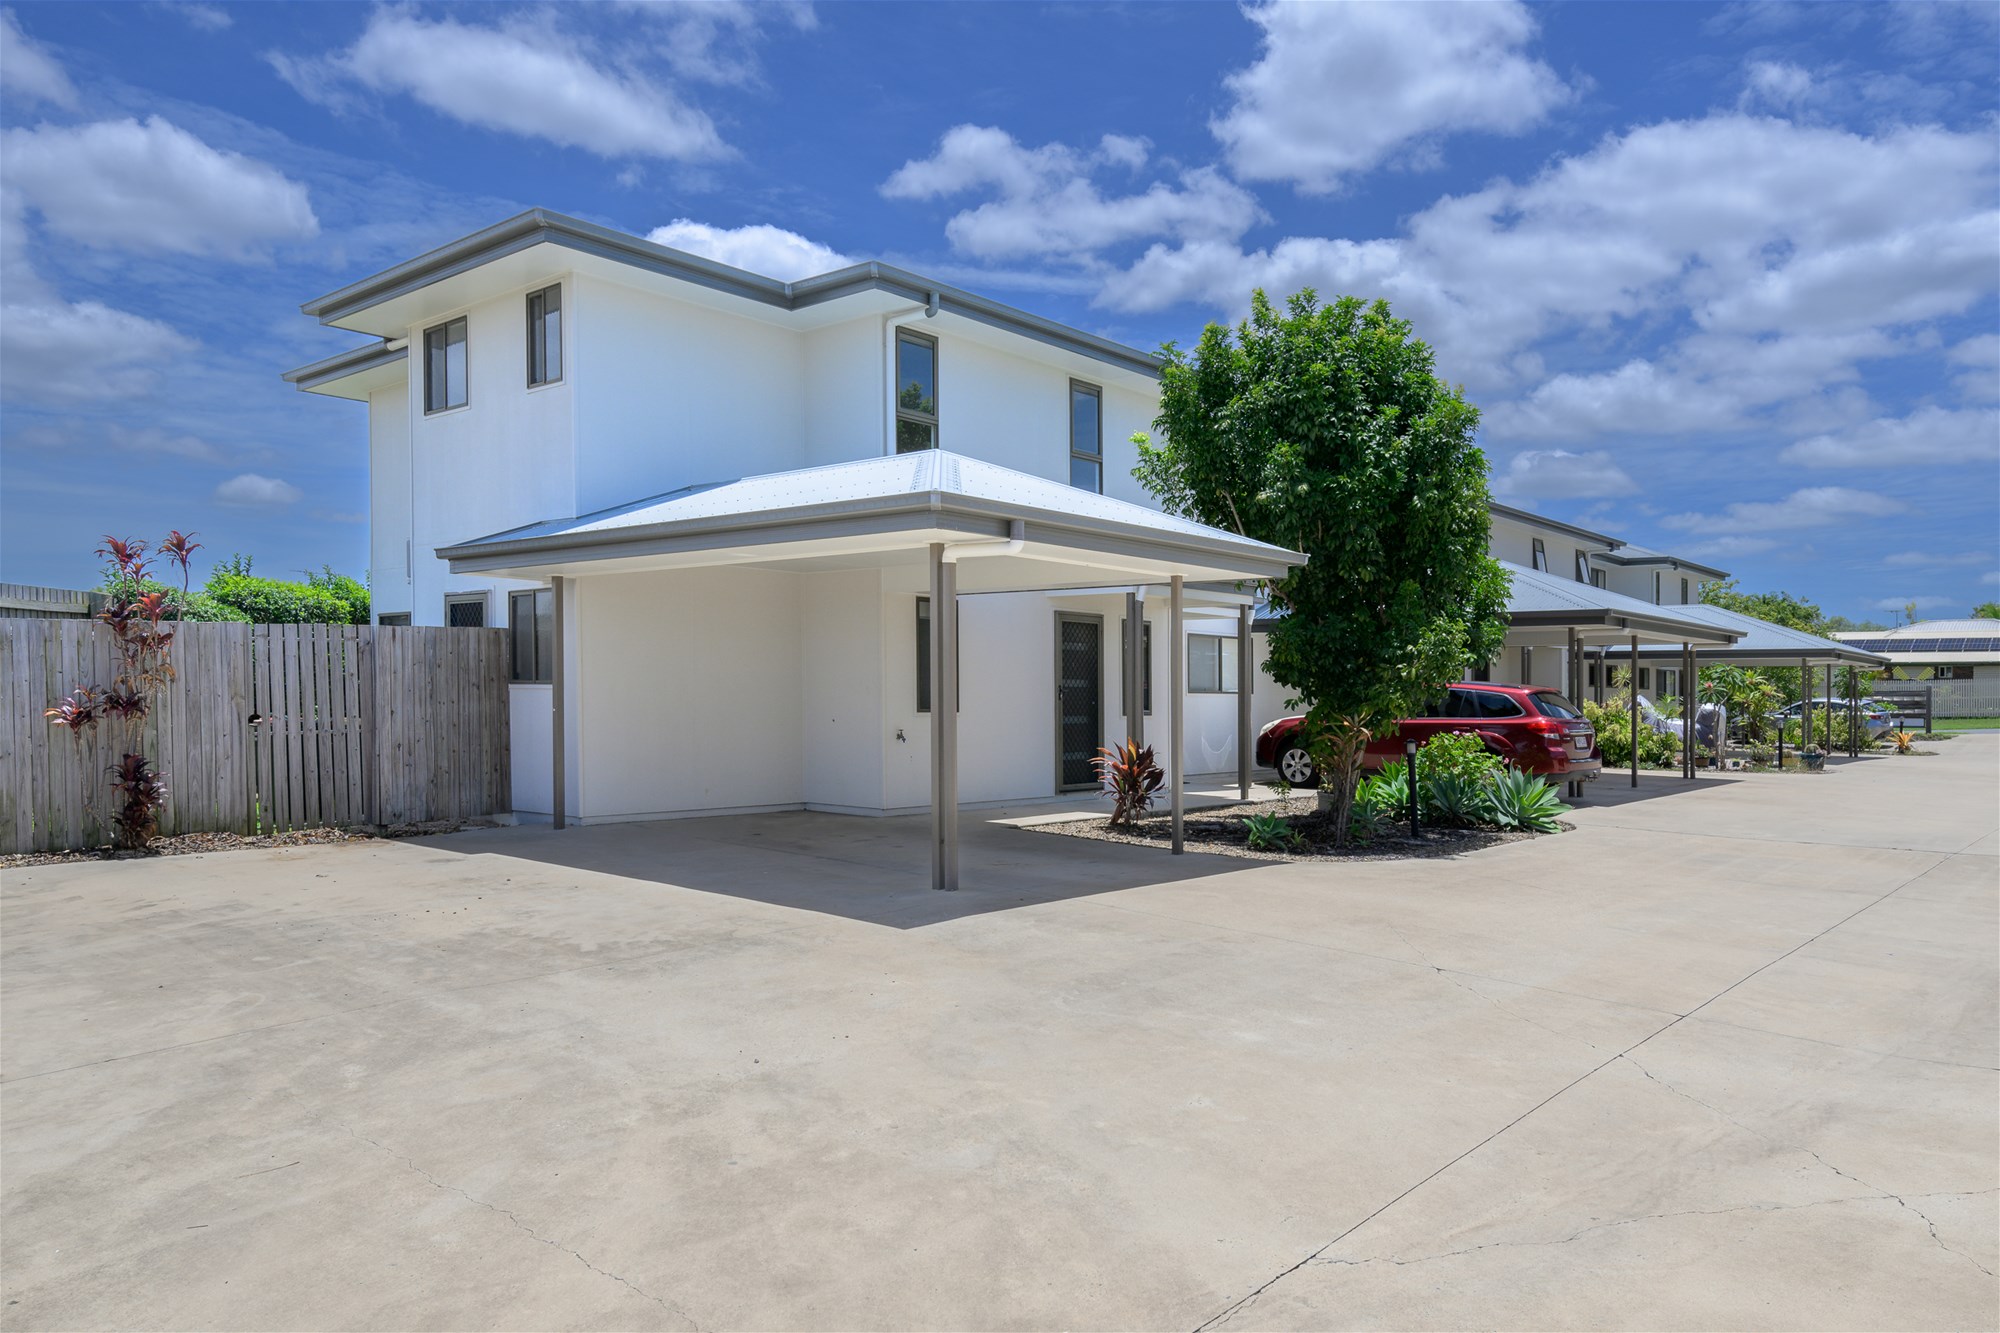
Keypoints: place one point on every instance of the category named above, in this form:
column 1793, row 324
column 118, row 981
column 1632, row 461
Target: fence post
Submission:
column 371, row 780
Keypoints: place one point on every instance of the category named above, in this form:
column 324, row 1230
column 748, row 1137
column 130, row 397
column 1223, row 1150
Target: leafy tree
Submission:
column 1986, row 611
column 1780, row 608
column 232, row 592
column 1842, row 625
column 1325, row 430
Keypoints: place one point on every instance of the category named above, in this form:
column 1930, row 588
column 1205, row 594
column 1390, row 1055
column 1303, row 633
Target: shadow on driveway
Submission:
column 863, row 869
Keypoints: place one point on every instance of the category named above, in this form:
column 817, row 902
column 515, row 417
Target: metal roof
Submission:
column 923, row 491
column 1625, row 553
column 1539, row 600
column 1765, row 644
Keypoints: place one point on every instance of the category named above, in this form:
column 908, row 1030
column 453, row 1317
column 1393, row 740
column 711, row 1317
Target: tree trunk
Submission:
column 1341, row 741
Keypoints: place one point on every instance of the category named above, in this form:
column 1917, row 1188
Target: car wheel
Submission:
column 1295, row 766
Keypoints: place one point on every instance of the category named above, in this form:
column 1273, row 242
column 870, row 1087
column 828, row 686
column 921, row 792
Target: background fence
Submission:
column 266, row 727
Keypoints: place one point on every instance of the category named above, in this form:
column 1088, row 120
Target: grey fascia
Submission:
column 1691, row 631
column 342, row 364
column 540, row 226
column 1670, row 561
column 1538, row 520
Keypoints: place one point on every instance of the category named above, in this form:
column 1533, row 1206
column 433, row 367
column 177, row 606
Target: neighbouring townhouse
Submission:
column 747, row 535
column 1958, row 659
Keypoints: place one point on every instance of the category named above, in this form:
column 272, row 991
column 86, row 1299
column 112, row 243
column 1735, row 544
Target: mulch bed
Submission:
column 1222, row 832
column 195, row 844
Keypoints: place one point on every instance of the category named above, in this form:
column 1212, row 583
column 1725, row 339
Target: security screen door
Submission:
column 1079, row 698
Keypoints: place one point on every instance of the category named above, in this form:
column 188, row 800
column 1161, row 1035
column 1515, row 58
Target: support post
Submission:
column 1691, row 701
column 1853, row 713
column 1246, row 672
column 1805, row 714
column 945, row 704
column 1135, row 672
column 1176, row 668
column 1829, row 742
column 944, row 718
column 559, row 706
column 1632, row 695
column 1573, row 681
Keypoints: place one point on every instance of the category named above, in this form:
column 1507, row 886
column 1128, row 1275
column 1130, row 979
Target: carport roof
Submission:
column 895, row 503
column 1762, row 643
column 1539, row 600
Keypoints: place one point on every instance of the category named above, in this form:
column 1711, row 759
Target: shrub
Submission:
column 1524, row 801
column 1270, row 833
column 1454, row 754
column 1614, row 725
column 1129, row 776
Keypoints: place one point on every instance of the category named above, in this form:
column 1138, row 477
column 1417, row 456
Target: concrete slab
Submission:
column 1689, row 1066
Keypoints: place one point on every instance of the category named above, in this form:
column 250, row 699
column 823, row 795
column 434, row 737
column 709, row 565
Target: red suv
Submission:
column 1532, row 728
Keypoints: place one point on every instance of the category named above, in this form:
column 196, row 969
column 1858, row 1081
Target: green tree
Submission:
column 1842, row 625
column 1986, row 611
column 232, row 592
column 1325, row 430
column 1780, row 608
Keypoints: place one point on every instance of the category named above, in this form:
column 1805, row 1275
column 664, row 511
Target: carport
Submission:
column 1761, row 643
column 968, row 527
column 1544, row 610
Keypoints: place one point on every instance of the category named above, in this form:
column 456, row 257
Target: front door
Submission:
column 1079, row 698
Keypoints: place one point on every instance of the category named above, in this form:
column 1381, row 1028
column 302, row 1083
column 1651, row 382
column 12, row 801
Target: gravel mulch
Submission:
column 195, row 844
column 1222, row 832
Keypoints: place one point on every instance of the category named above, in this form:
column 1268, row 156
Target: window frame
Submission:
column 1225, row 663
column 1600, row 578
column 1538, row 555
column 536, row 343
column 923, row 621
column 1094, row 456
column 465, row 390
column 932, row 419
column 1145, row 665
column 392, row 620
column 540, row 672
column 1659, row 588
column 480, row 599
column 1684, row 593
column 1582, row 565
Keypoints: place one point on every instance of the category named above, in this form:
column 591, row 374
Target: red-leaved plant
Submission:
column 1129, row 776
column 142, row 622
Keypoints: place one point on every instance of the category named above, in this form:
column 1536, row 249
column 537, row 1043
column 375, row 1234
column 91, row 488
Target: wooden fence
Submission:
column 265, row 727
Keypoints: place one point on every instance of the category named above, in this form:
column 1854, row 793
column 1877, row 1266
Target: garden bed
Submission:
column 196, row 844
column 1224, row 831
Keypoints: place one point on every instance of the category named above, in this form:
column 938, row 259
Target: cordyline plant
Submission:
column 145, row 637
column 1131, row 777
column 1324, row 430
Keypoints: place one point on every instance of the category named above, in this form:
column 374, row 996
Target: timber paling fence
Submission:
column 265, row 728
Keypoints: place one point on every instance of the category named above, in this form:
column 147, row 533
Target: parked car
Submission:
column 1879, row 720
column 1530, row 727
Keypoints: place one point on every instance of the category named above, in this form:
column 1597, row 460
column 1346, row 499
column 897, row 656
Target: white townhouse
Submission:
column 730, row 523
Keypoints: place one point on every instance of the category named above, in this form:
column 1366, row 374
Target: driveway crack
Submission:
column 508, row 1213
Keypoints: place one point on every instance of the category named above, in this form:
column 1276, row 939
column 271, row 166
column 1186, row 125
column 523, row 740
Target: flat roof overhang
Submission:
column 1058, row 550
column 1735, row 655
column 1626, row 560
column 1615, row 626
column 354, row 374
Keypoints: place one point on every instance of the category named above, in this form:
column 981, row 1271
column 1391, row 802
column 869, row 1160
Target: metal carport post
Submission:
column 944, row 720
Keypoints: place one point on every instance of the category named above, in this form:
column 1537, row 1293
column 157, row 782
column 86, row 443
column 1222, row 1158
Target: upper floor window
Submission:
column 916, row 392
column 1086, row 436
column 444, row 366
column 1541, row 560
column 1684, row 592
column 545, row 336
column 1582, row 565
column 1657, row 578
column 1597, row 578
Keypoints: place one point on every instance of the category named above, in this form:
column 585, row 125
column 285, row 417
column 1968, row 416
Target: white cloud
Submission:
column 1725, row 548
column 1925, row 603
column 1776, row 83
column 1554, row 474
column 29, row 73
column 152, row 187
column 145, row 441
column 1928, row 436
column 252, row 491
column 1815, row 506
column 1339, row 88
column 1992, row 576
column 1928, row 560
column 59, row 352
column 1048, row 202
column 1979, row 382
column 714, row 41
column 522, row 78
column 203, row 17
column 771, row 251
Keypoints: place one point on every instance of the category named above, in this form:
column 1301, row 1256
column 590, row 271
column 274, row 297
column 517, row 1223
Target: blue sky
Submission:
column 1721, row 279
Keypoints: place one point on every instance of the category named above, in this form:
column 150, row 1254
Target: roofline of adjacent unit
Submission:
column 540, row 226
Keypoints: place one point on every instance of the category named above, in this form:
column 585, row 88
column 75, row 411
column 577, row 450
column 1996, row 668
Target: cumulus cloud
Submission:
column 1815, row 506
column 1339, row 88
column 249, row 490
column 1923, row 603
column 1979, row 380
column 715, row 41
column 152, row 187
column 1047, row 202
column 523, row 78
column 59, row 352
column 1775, row 83
column 29, row 73
column 771, row 251
column 1929, row 436
column 1555, row 474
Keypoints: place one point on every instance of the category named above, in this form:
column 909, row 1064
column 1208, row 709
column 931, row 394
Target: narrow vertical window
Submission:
column 1684, row 592
column 1656, row 587
column 531, row 631
column 1086, row 436
column 1541, row 560
column 545, row 357
column 1527, row 666
column 444, row 366
column 1597, row 577
column 916, row 392
column 1582, row 565
column 924, row 659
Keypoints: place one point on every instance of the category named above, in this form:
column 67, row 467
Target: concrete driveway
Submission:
column 1722, row 1058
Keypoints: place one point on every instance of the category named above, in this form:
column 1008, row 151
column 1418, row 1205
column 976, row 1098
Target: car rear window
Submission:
column 1554, row 705
column 1482, row 703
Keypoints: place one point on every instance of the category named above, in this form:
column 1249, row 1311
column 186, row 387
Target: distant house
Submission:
column 1959, row 659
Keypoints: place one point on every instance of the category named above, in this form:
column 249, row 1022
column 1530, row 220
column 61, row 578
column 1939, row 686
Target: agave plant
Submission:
column 1270, row 833
column 1456, row 798
column 142, row 790
column 1522, row 800
column 1130, row 776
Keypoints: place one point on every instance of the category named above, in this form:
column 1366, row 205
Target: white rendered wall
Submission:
column 530, row 736
column 841, row 689
column 689, row 693
column 846, row 393
column 390, row 555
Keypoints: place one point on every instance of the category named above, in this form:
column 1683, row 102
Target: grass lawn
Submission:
column 1965, row 723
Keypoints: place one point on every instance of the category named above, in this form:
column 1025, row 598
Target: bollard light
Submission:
column 1410, row 767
